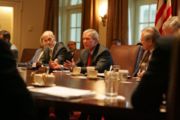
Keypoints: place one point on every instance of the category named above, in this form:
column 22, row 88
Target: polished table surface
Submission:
column 97, row 102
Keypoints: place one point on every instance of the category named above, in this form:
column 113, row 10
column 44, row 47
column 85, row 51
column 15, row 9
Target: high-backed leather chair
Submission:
column 173, row 100
column 27, row 54
column 125, row 56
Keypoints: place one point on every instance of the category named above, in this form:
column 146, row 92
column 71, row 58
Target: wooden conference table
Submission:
column 91, row 103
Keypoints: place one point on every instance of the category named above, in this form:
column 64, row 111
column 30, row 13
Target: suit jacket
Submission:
column 101, row 59
column 16, row 101
column 138, row 60
column 59, row 53
column 36, row 55
column 75, row 55
column 148, row 95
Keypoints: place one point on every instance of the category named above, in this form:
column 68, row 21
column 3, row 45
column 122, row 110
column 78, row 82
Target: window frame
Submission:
column 73, row 10
column 65, row 11
column 134, row 12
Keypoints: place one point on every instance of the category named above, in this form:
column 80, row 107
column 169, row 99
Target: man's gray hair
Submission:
column 48, row 33
column 94, row 34
column 153, row 33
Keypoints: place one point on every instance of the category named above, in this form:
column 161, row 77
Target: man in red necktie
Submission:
column 93, row 53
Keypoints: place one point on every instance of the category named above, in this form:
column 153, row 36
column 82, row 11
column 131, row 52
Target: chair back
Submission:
column 173, row 104
column 27, row 54
column 125, row 56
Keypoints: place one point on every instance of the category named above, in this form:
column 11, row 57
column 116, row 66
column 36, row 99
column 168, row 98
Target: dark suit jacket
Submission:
column 138, row 60
column 148, row 95
column 75, row 55
column 16, row 101
column 59, row 52
column 101, row 59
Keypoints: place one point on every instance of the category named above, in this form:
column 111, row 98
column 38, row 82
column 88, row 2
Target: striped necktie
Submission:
column 146, row 57
column 144, row 61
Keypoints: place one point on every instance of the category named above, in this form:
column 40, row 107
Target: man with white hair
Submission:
column 54, row 52
column 93, row 53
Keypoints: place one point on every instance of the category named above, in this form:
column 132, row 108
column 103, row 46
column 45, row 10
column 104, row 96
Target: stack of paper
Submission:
column 63, row 92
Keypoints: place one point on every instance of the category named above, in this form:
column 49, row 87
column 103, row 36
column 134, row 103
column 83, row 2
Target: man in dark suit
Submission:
column 73, row 51
column 148, row 96
column 54, row 52
column 94, row 54
column 149, row 36
column 16, row 101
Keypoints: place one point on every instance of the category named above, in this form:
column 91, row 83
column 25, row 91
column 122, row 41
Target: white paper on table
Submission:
column 63, row 92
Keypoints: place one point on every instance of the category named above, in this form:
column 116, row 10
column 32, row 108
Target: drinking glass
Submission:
column 111, row 84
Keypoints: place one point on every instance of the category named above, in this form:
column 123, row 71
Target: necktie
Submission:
column 89, row 59
column 144, row 62
column 146, row 57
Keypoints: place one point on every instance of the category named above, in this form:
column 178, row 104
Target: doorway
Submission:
column 6, row 19
column 10, row 19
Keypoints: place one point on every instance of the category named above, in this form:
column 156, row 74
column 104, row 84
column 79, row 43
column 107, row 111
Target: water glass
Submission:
column 111, row 84
column 23, row 72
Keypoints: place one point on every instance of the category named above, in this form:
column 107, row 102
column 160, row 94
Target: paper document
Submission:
column 63, row 92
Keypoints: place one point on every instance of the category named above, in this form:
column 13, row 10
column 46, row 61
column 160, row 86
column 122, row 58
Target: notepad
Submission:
column 63, row 92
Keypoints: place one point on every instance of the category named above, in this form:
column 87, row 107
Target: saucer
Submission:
column 40, row 85
column 75, row 74
column 89, row 77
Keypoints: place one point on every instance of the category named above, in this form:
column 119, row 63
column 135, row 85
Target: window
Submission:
column 70, row 21
column 143, row 13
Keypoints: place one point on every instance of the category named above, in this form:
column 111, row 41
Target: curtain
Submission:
column 174, row 7
column 51, row 16
column 117, row 21
column 89, row 15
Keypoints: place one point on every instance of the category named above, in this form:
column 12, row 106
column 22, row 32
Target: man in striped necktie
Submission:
column 149, row 37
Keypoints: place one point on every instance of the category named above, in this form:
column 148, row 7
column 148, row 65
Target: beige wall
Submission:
column 6, row 21
column 31, row 23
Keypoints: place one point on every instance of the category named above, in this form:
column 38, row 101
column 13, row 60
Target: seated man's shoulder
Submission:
column 103, row 49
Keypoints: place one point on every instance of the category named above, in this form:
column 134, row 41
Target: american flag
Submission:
column 164, row 11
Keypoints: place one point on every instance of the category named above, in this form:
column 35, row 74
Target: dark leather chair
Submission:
column 173, row 100
column 125, row 56
column 27, row 54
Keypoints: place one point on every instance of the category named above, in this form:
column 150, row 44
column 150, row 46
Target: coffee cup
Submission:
column 44, row 79
column 76, row 71
column 92, row 73
column 123, row 75
column 90, row 68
